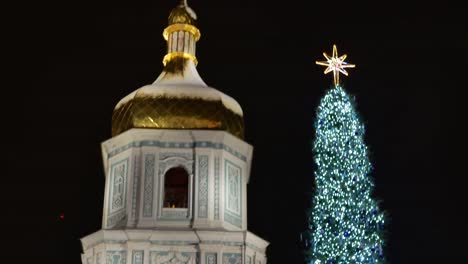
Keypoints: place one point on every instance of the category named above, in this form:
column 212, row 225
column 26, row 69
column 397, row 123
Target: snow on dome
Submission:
column 178, row 100
column 186, row 85
column 231, row 104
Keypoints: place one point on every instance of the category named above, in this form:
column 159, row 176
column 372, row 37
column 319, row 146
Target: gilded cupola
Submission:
column 179, row 98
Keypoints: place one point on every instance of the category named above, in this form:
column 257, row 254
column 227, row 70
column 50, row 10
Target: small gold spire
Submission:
column 181, row 19
column 336, row 65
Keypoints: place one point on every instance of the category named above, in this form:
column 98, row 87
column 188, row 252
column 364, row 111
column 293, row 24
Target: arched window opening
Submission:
column 176, row 188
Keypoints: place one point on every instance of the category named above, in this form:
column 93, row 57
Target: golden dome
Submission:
column 166, row 111
column 179, row 99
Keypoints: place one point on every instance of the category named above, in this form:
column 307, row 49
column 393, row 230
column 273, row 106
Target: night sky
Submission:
column 77, row 59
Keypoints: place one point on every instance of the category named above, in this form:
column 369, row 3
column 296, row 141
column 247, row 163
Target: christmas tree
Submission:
column 345, row 224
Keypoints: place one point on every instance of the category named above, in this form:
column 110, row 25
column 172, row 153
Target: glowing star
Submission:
column 336, row 65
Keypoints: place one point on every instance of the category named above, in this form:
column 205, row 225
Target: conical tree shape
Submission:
column 345, row 223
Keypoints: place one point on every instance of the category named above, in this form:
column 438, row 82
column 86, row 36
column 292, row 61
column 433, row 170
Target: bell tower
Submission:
column 176, row 169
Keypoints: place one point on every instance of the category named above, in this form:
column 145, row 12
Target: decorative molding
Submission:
column 170, row 155
column 116, row 257
column 233, row 193
column 173, row 242
column 160, row 144
column 177, row 159
column 107, row 241
column 216, row 188
column 167, row 161
column 224, row 243
column 137, row 256
column 98, row 258
column 203, row 186
column 115, row 219
column 136, row 176
column 117, row 192
column 254, row 247
column 210, row 258
column 177, row 213
column 232, row 258
column 158, row 257
column 148, row 185
column 169, row 242
column 233, row 219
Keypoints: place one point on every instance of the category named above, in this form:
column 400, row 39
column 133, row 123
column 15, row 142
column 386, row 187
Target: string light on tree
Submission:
column 336, row 65
column 345, row 223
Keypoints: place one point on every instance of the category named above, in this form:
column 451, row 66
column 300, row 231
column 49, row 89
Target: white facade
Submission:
column 138, row 246
column 137, row 229
column 138, row 160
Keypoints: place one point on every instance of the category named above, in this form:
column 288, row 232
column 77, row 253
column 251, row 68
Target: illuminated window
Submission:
column 176, row 188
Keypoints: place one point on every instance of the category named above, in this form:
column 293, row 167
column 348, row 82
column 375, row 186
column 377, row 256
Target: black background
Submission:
column 77, row 59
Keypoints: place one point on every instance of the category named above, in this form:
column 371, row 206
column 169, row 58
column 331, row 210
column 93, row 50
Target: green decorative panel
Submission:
column 211, row 258
column 148, row 185
column 116, row 257
column 98, row 258
column 135, row 187
column 117, row 202
column 159, row 257
column 233, row 193
column 137, row 256
column 232, row 258
column 216, row 189
column 203, row 186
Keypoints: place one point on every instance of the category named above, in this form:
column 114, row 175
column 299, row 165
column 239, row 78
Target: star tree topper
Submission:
column 336, row 65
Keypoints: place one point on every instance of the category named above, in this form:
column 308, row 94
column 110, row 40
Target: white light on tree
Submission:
column 345, row 223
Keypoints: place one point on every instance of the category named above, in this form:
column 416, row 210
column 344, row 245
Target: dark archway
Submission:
column 176, row 182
